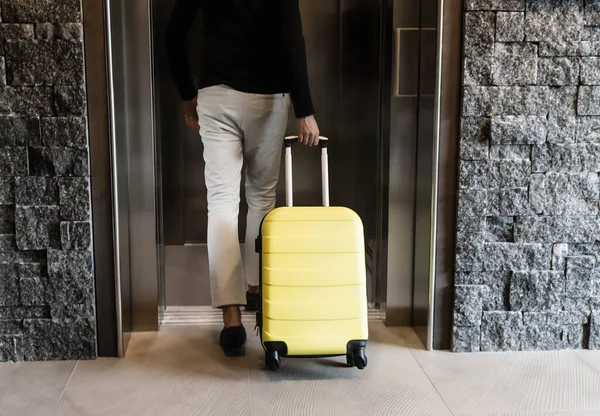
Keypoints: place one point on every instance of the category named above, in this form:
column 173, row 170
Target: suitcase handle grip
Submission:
column 289, row 186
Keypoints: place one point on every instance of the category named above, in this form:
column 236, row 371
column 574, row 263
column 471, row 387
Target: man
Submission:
column 253, row 60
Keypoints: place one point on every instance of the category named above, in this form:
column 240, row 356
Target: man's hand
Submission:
column 191, row 114
column 308, row 131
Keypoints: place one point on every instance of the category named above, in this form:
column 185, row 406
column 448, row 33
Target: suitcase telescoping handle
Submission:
column 289, row 184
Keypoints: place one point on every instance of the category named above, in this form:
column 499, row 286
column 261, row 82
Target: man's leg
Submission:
column 264, row 129
column 222, row 139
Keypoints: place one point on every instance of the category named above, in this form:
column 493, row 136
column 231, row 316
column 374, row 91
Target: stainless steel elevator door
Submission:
column 343, row 50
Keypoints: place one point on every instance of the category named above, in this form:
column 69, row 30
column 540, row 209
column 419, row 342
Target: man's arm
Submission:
column 291, row 24
column 180, row 22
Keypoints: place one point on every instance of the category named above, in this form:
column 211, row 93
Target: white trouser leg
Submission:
column 264, row 128
column 219, row 111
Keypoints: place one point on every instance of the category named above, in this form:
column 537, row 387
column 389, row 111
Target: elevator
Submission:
column 344, row 72
column 374, row 68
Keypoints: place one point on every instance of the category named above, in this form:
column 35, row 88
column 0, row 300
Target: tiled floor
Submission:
column 181, row 371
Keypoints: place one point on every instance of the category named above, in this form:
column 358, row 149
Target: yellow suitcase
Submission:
column 313, row 279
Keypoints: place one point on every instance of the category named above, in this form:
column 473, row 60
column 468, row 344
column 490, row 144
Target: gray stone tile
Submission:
column 13, row 161
column 75, row 199
column 42, row 11
column 515, row 64
column 7, row 191
column 19, row 131
column 29, row 101
column 76, row 235
column 589, row 101
column 519, row 130
column 558, row 71
column 510, row 27
column 70, row 101
column 537, row 291
column 544, row 27
column 565, row 194
column 52, row 339
column 495, row 5
column 32, row 190
column 65, row 31
column 58, row 161
column 37, row 228
column 64, row 132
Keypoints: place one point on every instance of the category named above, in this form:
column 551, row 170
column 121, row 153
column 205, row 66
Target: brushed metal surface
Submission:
column 134, row 162
column 100, row 164
column 449, row 110
column 403, row 131
column 411, row 164
column 354, row 152
column 120, row 167
column 425, row 184
column 423, row 216
column 401, row 211
column 142, row 183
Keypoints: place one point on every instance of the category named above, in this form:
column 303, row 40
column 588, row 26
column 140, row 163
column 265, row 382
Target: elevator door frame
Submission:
column 143, row 221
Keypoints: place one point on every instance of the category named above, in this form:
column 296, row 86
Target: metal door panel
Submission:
column 182, row 183
column 423, row 200
column 141, row 174
column 117, row 50
column 355, row 153
column 401, row 216
column 407, row 50
column 448, row 107
column 134, row 184
column 423, row 212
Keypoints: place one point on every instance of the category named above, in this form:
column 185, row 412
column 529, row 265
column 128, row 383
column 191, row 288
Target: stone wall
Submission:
column 528, row 253
column 46, row 269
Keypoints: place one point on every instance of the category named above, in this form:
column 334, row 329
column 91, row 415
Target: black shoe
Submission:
column 233, row 341
column 252, row 302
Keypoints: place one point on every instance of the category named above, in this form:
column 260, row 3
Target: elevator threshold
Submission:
column 207, row 315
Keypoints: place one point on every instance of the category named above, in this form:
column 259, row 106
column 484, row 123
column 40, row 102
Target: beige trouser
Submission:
column 237, row 127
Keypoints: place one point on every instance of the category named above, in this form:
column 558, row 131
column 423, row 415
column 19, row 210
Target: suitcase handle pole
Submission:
column 289, row 184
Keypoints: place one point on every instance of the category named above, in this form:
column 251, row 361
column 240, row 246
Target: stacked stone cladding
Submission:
column 528, row 235
column 46, row 267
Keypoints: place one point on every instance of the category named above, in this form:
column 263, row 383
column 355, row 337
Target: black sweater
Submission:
column 253, row 46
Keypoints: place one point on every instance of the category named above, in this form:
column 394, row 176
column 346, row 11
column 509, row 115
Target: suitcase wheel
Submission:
column 272, row 360
column 357, row 358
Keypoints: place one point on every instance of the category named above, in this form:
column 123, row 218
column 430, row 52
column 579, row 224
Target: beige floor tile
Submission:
column 549, row 413
column 514, row 382
column 32, row 389
column 543, row 413
column 392, row 384
column 177, row 372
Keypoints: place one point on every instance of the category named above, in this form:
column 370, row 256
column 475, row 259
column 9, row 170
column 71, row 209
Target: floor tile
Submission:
column 489, row 383
column 392, row 384
column 542, row 413
column 176, row 372
column 32, row 389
